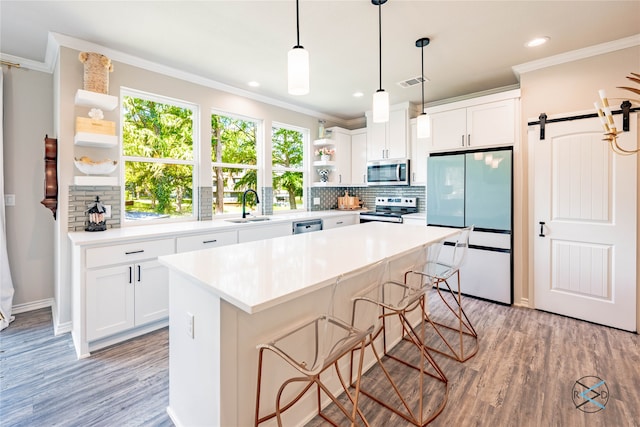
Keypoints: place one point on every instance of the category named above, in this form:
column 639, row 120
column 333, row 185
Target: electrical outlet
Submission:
column 190, row 321
column 107, row 211
column 316, row 201
column 9, row 199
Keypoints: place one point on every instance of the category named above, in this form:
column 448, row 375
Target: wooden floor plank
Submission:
column 523, row 375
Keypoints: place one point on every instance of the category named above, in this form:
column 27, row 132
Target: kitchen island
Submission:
column 225, row 301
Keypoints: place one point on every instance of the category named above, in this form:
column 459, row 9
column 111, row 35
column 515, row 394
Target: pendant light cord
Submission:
column 379, row 41
column 422, row 49
column 297, row 25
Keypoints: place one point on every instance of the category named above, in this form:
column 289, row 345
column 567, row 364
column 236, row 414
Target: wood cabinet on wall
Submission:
column 389, row 140
column 478, row 122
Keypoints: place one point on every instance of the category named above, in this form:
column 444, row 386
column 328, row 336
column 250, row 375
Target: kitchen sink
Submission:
column 250, row 219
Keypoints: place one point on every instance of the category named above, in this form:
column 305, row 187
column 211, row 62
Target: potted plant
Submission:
column 325, row 153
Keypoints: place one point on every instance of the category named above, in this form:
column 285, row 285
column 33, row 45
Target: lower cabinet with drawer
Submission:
column 206, row 241
column 340, row 221
column 119, row 292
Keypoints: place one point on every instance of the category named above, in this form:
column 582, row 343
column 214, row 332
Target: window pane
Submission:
column 233, row 141
column 158, row 190
column 228, row 186
column 287, row 190
column 288, row 148
column 156, row 130
column 287, row 158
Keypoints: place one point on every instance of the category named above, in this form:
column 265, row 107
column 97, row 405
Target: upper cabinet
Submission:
column 479, row 122
column 359, row 156
column 389, row 140
column 419, row 154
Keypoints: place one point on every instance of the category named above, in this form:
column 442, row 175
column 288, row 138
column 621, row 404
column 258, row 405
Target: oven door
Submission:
column 364, row 217
column 388, row 172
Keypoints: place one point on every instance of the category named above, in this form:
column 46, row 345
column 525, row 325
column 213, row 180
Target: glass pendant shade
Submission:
column 423, row 126
column 298, row 71
column 381, row 106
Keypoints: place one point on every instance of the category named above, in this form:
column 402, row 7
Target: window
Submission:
column 234, row 161
column 158, row 156
column 287, row 160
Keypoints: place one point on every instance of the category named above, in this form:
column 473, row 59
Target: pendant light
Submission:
column 381, row 97
column 298, row 64
column 423, row 122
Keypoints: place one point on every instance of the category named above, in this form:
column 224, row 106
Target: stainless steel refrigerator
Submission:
column 475, row 188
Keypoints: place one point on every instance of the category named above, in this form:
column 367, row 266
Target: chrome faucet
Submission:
column 244, row 197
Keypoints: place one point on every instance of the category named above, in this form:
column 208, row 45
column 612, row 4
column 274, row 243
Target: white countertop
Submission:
column 114, row 235
column 257, row 275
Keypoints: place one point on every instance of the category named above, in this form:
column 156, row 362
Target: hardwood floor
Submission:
column 523, row 375
column 43, row 384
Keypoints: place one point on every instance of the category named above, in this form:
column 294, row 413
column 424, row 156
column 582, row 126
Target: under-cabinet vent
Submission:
column 411, row 82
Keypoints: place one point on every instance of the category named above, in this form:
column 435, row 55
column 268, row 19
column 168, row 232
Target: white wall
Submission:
column 28, row 116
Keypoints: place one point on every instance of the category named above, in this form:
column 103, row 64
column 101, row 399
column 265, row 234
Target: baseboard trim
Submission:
column 59, row 328
column 524, row 302
column 33, row 305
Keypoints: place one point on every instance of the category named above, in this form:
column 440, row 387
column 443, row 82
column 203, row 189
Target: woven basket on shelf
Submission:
column 96, row 71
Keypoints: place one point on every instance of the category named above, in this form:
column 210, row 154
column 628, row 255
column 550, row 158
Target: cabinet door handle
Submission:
column 340, row 178
column 541, row 229
column 413, row 176
column 134, row 252
column 364, row 178
column 209, row 241
column 463, row 140
column 139, row 273
column 469, row 140
column 130, row 274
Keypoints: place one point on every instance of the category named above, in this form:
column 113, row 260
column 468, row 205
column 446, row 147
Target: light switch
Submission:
column 190, row 321
column 9, row 199
column 107, row 211
column 316, row 200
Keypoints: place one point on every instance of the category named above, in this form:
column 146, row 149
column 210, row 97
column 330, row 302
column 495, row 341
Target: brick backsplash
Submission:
column 329, row 195
column 81, row 196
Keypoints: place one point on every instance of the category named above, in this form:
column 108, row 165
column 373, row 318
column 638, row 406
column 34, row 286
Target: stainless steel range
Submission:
column 391, row 209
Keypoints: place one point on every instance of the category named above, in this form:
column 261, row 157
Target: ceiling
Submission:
column 474, row 44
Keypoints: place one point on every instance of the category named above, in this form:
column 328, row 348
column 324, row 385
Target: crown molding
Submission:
column 56, row 40
column 578, row 54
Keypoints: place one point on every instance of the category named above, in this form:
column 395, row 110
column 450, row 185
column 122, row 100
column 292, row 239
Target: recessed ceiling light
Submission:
column 254, row 84
column 537, row 41
column 358, row 94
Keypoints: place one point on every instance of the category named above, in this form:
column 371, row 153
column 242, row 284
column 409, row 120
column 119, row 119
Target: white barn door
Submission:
column 585, row 252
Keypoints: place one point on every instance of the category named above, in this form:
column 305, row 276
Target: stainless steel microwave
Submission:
column 388, row 172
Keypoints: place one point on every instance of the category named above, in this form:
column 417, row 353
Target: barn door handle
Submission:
column 541, row 229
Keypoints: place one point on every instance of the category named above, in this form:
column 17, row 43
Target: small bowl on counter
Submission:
column 89, row 167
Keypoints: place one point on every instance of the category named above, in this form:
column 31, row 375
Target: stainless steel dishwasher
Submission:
column 307, row 226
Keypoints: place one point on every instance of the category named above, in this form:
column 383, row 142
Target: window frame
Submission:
column 260, row 155
column 306, row 135
column 194, row 162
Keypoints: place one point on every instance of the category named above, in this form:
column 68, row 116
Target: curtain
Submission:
column 6, row 284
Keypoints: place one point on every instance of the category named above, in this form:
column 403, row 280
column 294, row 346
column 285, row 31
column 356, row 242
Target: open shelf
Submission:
column 98, row 100
column 324, row 163
column 87, row 139
column 107, row 181
column 324, row 142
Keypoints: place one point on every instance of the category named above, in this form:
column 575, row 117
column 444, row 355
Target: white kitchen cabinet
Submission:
column 419, row 154
column 388, row 140
column 206, row 241
column 340, row 221
column 482, row 125
column 264, row 232
column 359, row 157
column 119, row 291
column 339, row 165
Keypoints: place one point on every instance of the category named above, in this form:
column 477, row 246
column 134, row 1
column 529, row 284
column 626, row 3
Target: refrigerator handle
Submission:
column 541, row 229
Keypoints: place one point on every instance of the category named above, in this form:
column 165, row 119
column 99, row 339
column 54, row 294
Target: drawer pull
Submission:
column 134, row 252
column 339, row 222
column 209, row 241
